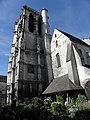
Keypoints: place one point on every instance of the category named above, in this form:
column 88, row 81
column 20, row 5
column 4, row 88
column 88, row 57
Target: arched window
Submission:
column 81, row 56
column 55, row 35
column 39, row 25
column 87, row 58
column 31, row 23
column 56, row 43
column 58, row 60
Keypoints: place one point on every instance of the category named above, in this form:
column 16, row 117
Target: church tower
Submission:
column 29, row 66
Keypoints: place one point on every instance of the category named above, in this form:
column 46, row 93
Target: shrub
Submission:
column 37, row 102
column 57, row 108
column 47, row 103
column 80, row 101
column 60, row 99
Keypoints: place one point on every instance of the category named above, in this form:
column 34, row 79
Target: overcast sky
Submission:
column 71, row 16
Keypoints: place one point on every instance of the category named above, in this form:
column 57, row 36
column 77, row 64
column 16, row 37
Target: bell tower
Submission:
column 29, row 66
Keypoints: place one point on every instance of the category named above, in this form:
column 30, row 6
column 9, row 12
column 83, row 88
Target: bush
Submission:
column 76, row 106
column 57, row 108
column 80, row 102
column 37, row 102
column 47, row 103
column 60, row 99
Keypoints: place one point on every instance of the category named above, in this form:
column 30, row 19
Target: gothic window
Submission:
column 20, row 26
column 16, row 70
column 87, row 64
column 58, row 60
column 81, row 56
column 21, row 23
column 87, row 57
column 39, row 26
column 56, row 43
column 23, row 34
column 55, row 35
column 30, row 68
column 31, row 23
column 25, row 47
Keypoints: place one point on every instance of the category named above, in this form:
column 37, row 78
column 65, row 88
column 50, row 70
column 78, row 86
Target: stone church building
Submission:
column 70, row 63
column 37, row 61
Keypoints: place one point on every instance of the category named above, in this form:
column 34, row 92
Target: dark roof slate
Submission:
column 61, row 84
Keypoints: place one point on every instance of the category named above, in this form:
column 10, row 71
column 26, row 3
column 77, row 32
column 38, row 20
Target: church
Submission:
column 29, row 66
column 38, row 60
column 70, row 63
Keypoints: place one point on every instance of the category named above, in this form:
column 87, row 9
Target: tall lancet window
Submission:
column 56, row 43
column 87, row 59
column 39, row 25
column 58, row 60
column 31, row 23
column 81, row 56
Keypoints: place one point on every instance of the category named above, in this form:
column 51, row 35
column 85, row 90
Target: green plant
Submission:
column 37, row 102
column 47, row 102
column 80, row 101
column 57, row 108
column 71, row 104
column 60, row 99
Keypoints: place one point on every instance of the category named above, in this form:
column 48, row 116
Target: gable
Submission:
column 58, row 40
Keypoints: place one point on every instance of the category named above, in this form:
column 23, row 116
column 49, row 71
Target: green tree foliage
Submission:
column 37, row 110
column 80, row 103
column 58, row 107
column 60, row 99
column 37, row 102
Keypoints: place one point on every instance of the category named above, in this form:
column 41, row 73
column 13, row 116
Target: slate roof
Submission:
column 74, row 39
column 61, row 84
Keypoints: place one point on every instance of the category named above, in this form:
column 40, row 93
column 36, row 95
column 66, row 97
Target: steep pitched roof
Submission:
column 74, row 39
column 61, row 84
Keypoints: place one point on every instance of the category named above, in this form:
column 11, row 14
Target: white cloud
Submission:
column 4, row 53
column 5, row 44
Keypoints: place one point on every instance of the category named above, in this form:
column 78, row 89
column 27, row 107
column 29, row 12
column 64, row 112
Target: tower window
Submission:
column 58, row 60
column 30, row 68
column 21, row 24
column 39, row 25
column 25, row 47
column 20, row 27
column 31, row 23
column 16, row 70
